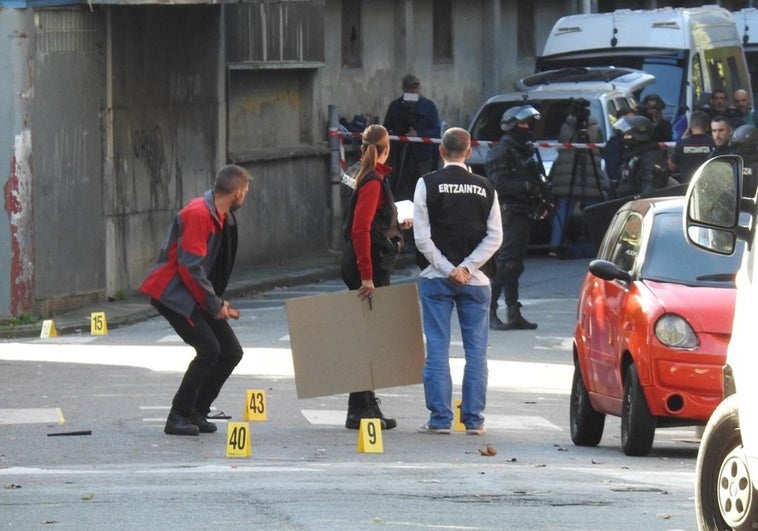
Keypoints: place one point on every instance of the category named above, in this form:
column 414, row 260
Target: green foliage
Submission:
column 22, row 319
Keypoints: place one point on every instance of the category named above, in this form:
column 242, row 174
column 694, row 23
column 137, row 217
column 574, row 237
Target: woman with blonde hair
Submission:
column 373, row 242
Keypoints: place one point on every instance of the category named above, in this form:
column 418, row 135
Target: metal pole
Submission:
column 335, row 239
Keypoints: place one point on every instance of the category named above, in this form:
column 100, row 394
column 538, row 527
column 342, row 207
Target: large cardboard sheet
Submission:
column 341, row 344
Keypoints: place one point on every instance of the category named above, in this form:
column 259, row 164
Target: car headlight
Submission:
column 674, row 331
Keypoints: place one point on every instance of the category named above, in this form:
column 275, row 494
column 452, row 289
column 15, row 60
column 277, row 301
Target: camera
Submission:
column 408, row 115
column 580, row 108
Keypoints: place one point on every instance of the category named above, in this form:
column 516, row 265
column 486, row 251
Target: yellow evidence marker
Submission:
column 255, row 405
column 48, row 329
column 370, row 436
column 457, row 424
column 98, row 325
column 238, row 439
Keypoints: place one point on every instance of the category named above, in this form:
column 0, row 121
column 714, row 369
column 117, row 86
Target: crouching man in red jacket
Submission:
column 186, row 286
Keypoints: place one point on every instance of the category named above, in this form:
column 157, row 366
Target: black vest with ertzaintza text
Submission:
column 459, row 204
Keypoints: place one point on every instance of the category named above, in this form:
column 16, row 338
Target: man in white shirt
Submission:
column 457, row 230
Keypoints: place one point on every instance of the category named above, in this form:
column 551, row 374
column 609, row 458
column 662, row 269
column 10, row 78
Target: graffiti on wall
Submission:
column 150, row 151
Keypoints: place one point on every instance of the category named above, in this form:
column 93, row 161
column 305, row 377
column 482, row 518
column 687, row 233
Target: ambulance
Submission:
column 690, row 51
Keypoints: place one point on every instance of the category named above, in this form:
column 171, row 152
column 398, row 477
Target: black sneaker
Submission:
column 178, row 424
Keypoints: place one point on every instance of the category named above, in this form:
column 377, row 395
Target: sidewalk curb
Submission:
column 136, row 308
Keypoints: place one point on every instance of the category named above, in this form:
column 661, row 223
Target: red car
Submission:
column 653, row 323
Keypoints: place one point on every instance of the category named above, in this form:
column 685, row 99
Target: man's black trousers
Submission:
column 217, row 353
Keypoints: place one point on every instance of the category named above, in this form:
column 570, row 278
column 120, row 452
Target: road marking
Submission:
column 330, row 417
column 554, row 343
column 517, row 376
column 161, row 409
column 75, row 339
column 31, row 416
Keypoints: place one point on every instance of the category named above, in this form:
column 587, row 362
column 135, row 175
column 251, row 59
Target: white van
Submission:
column 718, row 219
column 747, row 27
column 690, row 51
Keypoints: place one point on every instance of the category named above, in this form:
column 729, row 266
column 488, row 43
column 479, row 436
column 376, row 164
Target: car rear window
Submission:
column 554, row 111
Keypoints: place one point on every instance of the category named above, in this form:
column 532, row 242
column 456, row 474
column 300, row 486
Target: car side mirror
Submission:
column 607, row 270
column 712, row 213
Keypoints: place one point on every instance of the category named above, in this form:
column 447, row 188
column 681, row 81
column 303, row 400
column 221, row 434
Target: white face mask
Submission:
column 410, row 96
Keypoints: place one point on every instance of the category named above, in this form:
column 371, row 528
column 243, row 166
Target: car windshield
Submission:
column 669, row 258
column 554, row 111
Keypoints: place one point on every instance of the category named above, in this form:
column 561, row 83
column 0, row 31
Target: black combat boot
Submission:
column 198, row 419
column 364, row 405
column 374, row 402
column 357, row 408
column 179, row 424
column 495, row 322
column 516, row 321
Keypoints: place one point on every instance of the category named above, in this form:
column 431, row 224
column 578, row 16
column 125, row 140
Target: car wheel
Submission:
column 586, row 423
column 725, row 496
column 637, row 424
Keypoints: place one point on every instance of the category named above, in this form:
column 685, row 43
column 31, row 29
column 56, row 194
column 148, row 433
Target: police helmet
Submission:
column 518, row 115
column 636, row 129
column 745, row 135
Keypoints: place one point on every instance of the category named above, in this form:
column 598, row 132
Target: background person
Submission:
column 719, row 106
column 645, row 165
column 186, row 286
column 512, row 166
column 653, row 106
column 576, row 174
column 457, row 231
column 742, row 103
column 721, row 133
column 412, row 115
column 744, row 143
column 693, row 148
column 614, row 148
column 373, row 244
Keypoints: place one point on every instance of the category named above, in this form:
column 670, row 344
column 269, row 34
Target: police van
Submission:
column 747, row 27
column 690, row 51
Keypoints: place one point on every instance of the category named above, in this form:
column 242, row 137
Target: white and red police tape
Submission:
column 485, row 143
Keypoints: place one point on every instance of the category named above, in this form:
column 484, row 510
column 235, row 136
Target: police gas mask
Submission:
column 523, row 132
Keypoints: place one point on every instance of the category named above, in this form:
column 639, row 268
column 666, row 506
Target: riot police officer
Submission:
column 512, row 165
column 644, row 165
column 744, row 142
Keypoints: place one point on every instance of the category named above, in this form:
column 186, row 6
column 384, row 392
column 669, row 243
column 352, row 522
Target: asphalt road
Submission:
column 304, row 471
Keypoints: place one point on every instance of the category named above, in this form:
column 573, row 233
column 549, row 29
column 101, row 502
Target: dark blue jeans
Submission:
column 217, row 353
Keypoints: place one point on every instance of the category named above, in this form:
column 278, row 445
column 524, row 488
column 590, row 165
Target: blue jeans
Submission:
column 563, row 207
column 438, row 296
column 561, row 217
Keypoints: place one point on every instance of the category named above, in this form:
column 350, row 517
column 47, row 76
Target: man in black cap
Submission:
column 411, row 115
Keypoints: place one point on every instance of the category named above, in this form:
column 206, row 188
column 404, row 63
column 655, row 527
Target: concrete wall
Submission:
column 8, row 24
column 127, row 112
column 165, row 97
column 69, row 241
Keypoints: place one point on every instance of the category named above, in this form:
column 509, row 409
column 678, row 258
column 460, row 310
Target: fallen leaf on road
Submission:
column 489, row 451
